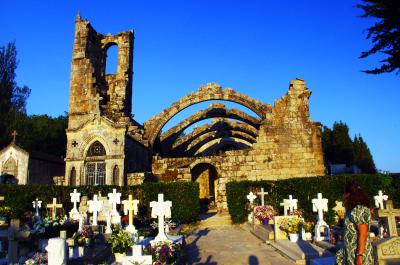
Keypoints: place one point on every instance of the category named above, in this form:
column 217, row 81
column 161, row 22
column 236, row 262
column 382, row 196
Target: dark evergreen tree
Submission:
column 342, row 145
column 362, row 156
column 326, row 138
column 12, row 97
column 385, row 33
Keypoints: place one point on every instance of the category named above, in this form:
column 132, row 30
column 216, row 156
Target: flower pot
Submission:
column 293, row 237
column 265, row 221
column 119, row 256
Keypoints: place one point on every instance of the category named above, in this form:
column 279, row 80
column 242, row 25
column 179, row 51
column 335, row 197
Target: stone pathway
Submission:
column 230, row 245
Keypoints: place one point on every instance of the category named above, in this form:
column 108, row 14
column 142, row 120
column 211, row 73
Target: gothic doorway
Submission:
column 206, row 175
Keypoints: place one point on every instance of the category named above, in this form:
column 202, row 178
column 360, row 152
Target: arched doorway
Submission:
column 95, row 166
column 207, row 176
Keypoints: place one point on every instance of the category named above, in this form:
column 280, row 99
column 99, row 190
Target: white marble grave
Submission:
column 320, row 205
column 37, row 205
column 251, row 197
column 57, row 251
column 262, row 194
column 137, row 257
column 115, row 198
column 75, row 198
column 95, row 206
column 161, row 209
column 289, row 205
column 379, row 200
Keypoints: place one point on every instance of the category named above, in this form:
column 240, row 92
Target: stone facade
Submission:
column 280, row 142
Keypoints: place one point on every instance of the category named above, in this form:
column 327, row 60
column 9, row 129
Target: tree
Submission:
column 326, row 137
column 12, row 97
column 362, row 156
column 342, row 145
column 385, row 33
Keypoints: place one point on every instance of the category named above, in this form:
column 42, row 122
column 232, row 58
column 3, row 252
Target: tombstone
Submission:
column 251, row 197
column 53, row 208
column 262, row 194
column 137, row 257
column 321, row 227
column 130, row 207
column 289, row 205
column 81, row 221
column 37, row 205
column 390, row 214
column 387, row 251
column 108, row 223
column 95, row 206
column 57, row 251
column 75, row 198
column 161, row 209
column 83, row 207
column 379, row 200
column 115, row 198
column 339, row 210
column 106, row 207
column 278, row 232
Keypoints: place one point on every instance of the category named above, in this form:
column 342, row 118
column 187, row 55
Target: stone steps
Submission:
column 213, row 219
column 300, row 252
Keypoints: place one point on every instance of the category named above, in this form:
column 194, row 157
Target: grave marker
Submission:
column 37, row 205
column 390, row 214
column 53, row 208
column 289, row 205
column 75, row 198
column 379, row 199
column 131, row 207
column 161, row 209
column 114, row 199
column 95, row 206
column 262, row 194
column 321, row 227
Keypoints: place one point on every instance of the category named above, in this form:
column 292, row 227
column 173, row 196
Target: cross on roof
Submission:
column 262, row 193
column 379, row 200
column 14, row 135
column 53, row 208
column 96, row 101
column 390, row 214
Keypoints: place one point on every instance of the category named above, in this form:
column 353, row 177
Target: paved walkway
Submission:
column 230, row 245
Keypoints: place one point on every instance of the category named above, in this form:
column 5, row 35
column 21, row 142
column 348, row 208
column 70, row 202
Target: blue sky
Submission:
column 255, row 47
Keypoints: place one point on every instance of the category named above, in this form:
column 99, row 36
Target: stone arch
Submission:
column 220, row 124
column 10, row 167
column 95, row 165
column 207, row 148
column 206, row 174
column 208, row 92
column 216, row 110
column 106, row 53
column 88, row 141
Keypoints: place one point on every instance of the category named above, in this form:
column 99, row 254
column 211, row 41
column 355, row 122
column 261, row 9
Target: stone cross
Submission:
column 379, row 200
column 81, row 220
column 14, row 135
column 339, row 210
column 108, row 221
column 95, row 206
column 289, row 205
column 390, row 213
column 75, row 198
column 96, row 103
column 251, row 197
column 114, row 198
column 37, row 205
column 131, row 207
column 53, row 208
column 262, row 193
column 320, row 205
column 161, row 209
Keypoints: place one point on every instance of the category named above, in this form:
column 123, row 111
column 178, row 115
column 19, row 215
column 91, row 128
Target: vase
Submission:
column 293, row 237
column 119, row 256
column 265, row 221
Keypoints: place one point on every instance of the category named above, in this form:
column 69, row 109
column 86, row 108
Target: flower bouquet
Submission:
column 296, row 212
column 292, row 226
column 264, row 213
column 121, row 242
column 164, row 252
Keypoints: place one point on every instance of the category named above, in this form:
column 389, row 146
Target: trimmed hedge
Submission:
column 184, row 197
column 305, row 189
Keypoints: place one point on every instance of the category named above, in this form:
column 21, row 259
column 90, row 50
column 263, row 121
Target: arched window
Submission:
column 95, row 168
column 116, row 175
column 10, row 167
column 111, row 59
column 72, row 177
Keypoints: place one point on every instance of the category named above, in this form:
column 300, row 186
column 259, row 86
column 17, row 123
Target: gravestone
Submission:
column 379, row 200
column 289, row 205
column 57, row 251
column 75, row 198
column 339, row 210
column 37, row 205
column 262, row 194
column 131, row 208
column 320, row 205
column 390, row 214
column 161, row 209
column 106, row 207
column 83, row 206
column 137, row 257
column 95, row 206
column 53, row 208
column 114, row 199
column 278, row 232
column 251, row 197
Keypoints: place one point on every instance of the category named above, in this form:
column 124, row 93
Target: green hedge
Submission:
column 305, row 189
column 184, row 197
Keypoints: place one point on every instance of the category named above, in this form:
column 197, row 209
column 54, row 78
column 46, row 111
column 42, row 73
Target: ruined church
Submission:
column 105, row 145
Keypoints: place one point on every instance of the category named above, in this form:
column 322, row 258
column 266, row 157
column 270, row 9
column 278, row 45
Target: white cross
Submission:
column 53, row 208
column 37, row 205
column 95, row 206
column 81, row 220
column 108, row 220
column 251, row 197
column 320, row 205
column 114, row 198
column 75, row 198
column 130, row 206
column 262, row 193
column 161, row 209
column 379, row 200
column 289, row 205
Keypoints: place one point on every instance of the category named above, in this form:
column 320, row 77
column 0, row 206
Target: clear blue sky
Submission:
column 255, row 47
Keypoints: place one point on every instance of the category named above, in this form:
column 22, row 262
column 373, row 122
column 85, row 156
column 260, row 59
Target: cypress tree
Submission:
column 363, row 157
column 342, row 145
